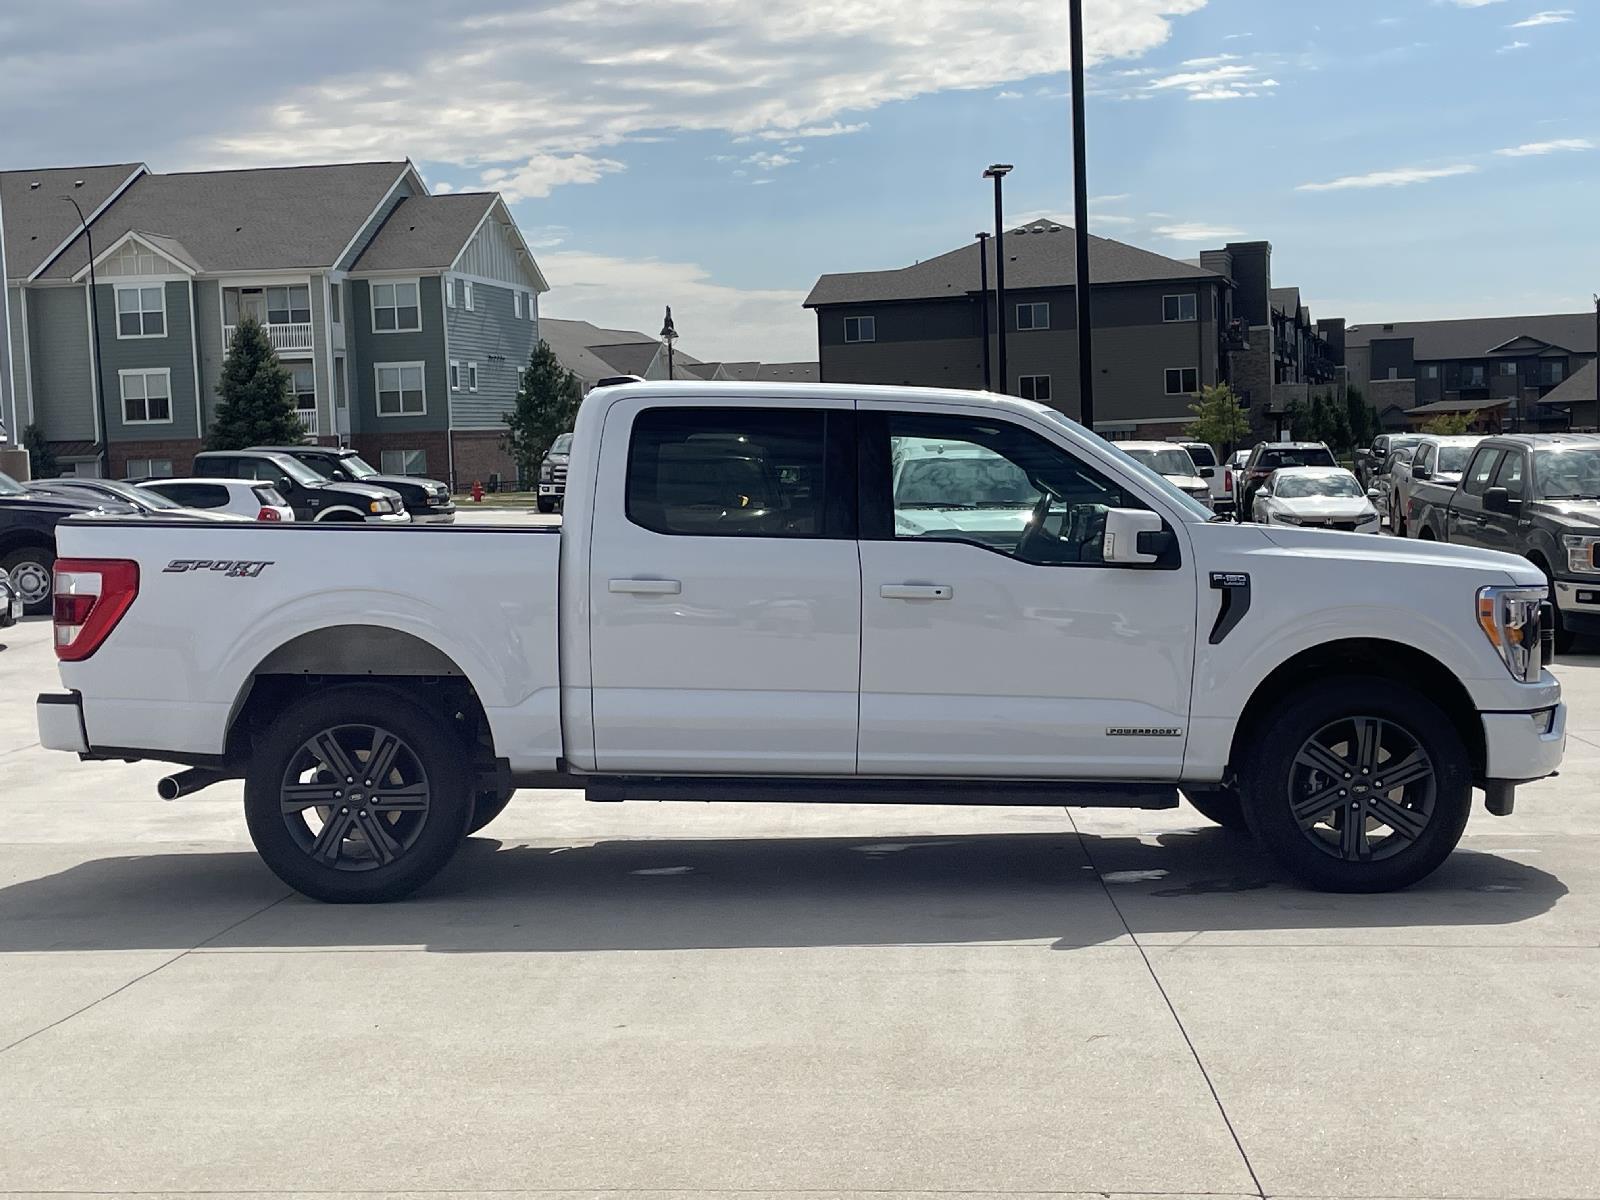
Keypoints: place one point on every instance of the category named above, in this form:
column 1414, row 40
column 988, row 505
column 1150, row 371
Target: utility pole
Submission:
column 998, row 172
column 983, row 303
column 94, row 342
column 1080, row 191
column 669, row 334
column 1597, row 360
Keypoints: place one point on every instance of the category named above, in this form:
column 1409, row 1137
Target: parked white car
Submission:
column 1172, row 461
column 1315, row 498
column 958, row 488
column 1223, row 497
column 248, row 498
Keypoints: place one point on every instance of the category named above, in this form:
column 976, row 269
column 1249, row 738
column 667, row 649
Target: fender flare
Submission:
column 339, row 510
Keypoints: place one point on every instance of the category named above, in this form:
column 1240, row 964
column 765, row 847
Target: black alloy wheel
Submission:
column 355, row 797
column 1362, row 789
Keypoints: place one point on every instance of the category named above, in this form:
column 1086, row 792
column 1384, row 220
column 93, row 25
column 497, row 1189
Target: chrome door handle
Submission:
column 646, row 587
column 916, row 591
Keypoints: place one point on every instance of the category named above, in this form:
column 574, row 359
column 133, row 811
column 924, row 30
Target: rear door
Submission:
column 725, row 588
column 1466, row 521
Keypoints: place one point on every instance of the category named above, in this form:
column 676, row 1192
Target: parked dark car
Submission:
column 553, row 474
column 10, row 603
column 28, row 522
column 427, row 500
column 114, row 491
column 1378, row 458
column 312, row 497
column 1268, row 457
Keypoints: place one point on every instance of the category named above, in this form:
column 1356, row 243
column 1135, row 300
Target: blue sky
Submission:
column 1406, row 159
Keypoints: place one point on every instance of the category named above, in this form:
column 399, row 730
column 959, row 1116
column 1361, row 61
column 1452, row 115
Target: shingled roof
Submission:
column 1038, row 255
column 426, row 232
column 1478, row 336
column 39, row 222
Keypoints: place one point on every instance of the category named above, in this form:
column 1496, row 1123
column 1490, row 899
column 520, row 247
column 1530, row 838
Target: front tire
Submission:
column 357, row 795
column 547, row 504
column 1317, row 798
column 32, row 569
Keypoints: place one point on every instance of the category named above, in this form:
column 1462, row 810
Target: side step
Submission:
column 1043, row 793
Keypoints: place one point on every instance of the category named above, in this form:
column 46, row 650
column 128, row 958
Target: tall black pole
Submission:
column 983, row 305
column 99, row 370
column 1080, row 195
column 997, row 172
column 1596, row 361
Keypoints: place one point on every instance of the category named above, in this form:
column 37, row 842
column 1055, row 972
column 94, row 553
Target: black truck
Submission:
column 427, row 500
column 28, row 522
column 312, row 495
column 1536, row 496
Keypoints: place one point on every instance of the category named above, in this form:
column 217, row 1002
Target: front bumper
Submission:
column 394, row 518
column 1579, row 602
column 60, row 720
column 445, row 515
column 552, row 489
column 1522, row 746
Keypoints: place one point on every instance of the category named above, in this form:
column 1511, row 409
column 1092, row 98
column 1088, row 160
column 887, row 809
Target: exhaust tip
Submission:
column 169, row 788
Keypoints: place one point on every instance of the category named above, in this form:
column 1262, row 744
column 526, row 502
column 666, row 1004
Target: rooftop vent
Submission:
column 34, row 186
column 1055, row 229
column 77, row 183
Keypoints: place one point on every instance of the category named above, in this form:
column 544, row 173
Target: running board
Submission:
column 1044, row 793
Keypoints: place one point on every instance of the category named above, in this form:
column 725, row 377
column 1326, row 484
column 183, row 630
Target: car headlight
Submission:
column 1285, row 519
column 1580, row 552
column 380, row 506
column 1513, row 618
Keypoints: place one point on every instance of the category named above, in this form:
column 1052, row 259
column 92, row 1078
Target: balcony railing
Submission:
column 292, row 338
column 308, row 418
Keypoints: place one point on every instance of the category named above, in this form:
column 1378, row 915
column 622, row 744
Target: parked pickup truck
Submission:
column 1536, row 496
column 740, row 605
column 1427, row 480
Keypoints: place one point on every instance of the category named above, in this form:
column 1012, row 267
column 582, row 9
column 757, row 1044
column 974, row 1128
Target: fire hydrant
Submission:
column 477, row 491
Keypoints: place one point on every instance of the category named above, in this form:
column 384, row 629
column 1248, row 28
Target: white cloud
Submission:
column 770, row 162
column 1116, row 199
column 1201, row 79
column 1110, row 219
column 542, row 172
column 1475, row 3
column 1222, row 93
column 717, row 322
column 1210, row 61
column 1402, row 177
column 835, row 129
column 1551, row 147
column 1008, row 95
column 1196, row 231
column 1559, row 16
column 1511, row 46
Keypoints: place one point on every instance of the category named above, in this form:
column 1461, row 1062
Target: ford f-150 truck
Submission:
column 753, row 596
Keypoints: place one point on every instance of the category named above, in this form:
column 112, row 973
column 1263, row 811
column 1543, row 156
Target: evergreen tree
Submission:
column 1363, row 418
column 547, row 405
column 1220, row 420
column 41, row 458
column 256, row 400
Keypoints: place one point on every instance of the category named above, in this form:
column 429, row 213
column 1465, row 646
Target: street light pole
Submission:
column 1080, row 195
column 99, row 369
column 983, row 304
column 997, row 172
column 669, row 334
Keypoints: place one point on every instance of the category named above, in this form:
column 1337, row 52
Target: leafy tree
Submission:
column 1363, row 417
column 1449, row 424
column 547, row 404
column 256, row 400
column 41, row 458
column 1219, row 419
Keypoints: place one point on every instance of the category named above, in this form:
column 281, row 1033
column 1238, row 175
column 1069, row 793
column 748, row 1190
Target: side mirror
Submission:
column 1374, row 494
column 1498, row 500
column 1133, row 536
column 1208, row 472
column 1421, row 473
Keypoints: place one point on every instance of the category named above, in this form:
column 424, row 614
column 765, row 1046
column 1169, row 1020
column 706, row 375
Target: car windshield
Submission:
column 10, row 487
column 988, row 482
column 357, row 467
column 1203, row 456
column 562, row 445
column 1453, row 459
column 1175, row 461
column 1308, row 456
column 1292, row 487
column 138, row 497
column 293, row 468
column 1567, row 474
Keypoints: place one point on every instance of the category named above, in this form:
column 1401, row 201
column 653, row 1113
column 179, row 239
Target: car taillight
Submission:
column 91, row 596
column 1227, row 479
column 268, row 513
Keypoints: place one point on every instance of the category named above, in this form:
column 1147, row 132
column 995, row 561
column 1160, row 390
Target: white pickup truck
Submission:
column 740, row 606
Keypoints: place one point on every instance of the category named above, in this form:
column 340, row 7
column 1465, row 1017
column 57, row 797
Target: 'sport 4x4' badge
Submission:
column 229, row 567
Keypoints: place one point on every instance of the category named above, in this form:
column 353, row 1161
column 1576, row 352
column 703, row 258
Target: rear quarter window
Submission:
column 1203, row 456
column 269, row 496
column 196, row 495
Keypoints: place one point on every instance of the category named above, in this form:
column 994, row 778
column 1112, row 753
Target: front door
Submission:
column 724, row 589
column 995, row 640
column 1467, row 522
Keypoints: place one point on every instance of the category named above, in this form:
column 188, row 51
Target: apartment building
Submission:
column 404, row 318
column 593, row 352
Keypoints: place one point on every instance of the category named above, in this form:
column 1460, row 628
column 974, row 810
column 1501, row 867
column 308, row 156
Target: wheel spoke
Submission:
column 1404, row 821
column 1413, row 768
column 412, row 798
column 1319, row 758
column 385, row 747
column 297, row 797
column 331, row 840
column 1368, row 733
column 1353, row 843
column 1309, row 808
column 326, row 747
column 374, row 829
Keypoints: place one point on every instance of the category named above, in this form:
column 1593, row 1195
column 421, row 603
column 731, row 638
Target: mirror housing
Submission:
column 1208, row 472
column 1421, row 473
column 1374, row 494
column 1128, row 537
column 1498, row 500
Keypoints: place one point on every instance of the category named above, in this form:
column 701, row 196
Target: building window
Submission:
column 466, row 294
column 472, row 377
column 305, row 391
column 404, row 462
column 142, row 312
column 1034, row 387
column 449, row 286
column 1182, row 381
column 146, row 397
column 516, row 304
column 135, row 258
column 395, row 308
column 335, row 308
column 400, row 390
column 1033, row 316
column 1394, row 373
column 149, row 468
column 529, row 305
column 1431, row 371
column 1552, row 371
column 289, row 305
column 861, row 329
column 1508, row 368
column 1180, row 308
column 455, row 376
column 1472, row 376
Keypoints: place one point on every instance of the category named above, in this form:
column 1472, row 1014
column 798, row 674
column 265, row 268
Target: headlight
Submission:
column 1285, row 519
column 1580, row 552
column 1512, row 619
column 546, row 472
column 380, row 506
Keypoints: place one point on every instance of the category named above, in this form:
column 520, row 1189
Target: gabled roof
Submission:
column 790, row 372
column 426, row 232
column 576, row 344
column 1286, row 300
column 39, row 223
column 168, row 247
column 1041, row 254
column 1577, row 389
column 1477, row 337
column 270, row 218
column 629, row 358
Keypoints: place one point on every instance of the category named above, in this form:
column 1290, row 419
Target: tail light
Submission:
column 268, row 513
column 1227, row 479
column 91, row 596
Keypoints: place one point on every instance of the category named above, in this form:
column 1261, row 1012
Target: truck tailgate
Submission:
column 215, row 600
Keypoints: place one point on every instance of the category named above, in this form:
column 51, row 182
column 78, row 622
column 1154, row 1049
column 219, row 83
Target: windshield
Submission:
column 1203, row 456
column 10, row 487
column 1339, row 486
column 562, row 445
column 1175, row 495
column 1453, row 459
column 1567, row 474
column 1167, row 462
column 357, row 467
column 1310, row 456
column 138, row 497
column 293, row 468
column 989, row 482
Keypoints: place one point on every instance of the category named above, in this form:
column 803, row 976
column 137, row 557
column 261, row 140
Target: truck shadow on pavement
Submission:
column 1050, row 888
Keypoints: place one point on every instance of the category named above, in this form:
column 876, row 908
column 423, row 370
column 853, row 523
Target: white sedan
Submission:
column 244, row 497
column 1315, row 498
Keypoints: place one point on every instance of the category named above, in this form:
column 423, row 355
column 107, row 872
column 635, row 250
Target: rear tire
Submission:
column 1220, row 805
column 377, row 838
column 32, row 569
column 1322, row 758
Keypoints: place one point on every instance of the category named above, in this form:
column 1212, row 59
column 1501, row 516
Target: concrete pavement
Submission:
column 685, row 1000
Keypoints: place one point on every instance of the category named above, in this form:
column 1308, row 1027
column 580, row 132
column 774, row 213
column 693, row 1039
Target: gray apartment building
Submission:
column 1163, row 328
column 404, row 318
column 1505, row 371
column 593, row 352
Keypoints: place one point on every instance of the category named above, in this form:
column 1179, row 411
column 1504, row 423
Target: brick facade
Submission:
column 179, row 451
column 479, row 455
column 433, row 442
column 1250, row 374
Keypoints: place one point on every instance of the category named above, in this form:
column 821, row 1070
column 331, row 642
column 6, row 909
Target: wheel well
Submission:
column 1374, row 658
column 26, row 539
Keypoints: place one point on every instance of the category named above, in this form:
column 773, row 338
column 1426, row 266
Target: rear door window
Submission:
column 196, row 495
